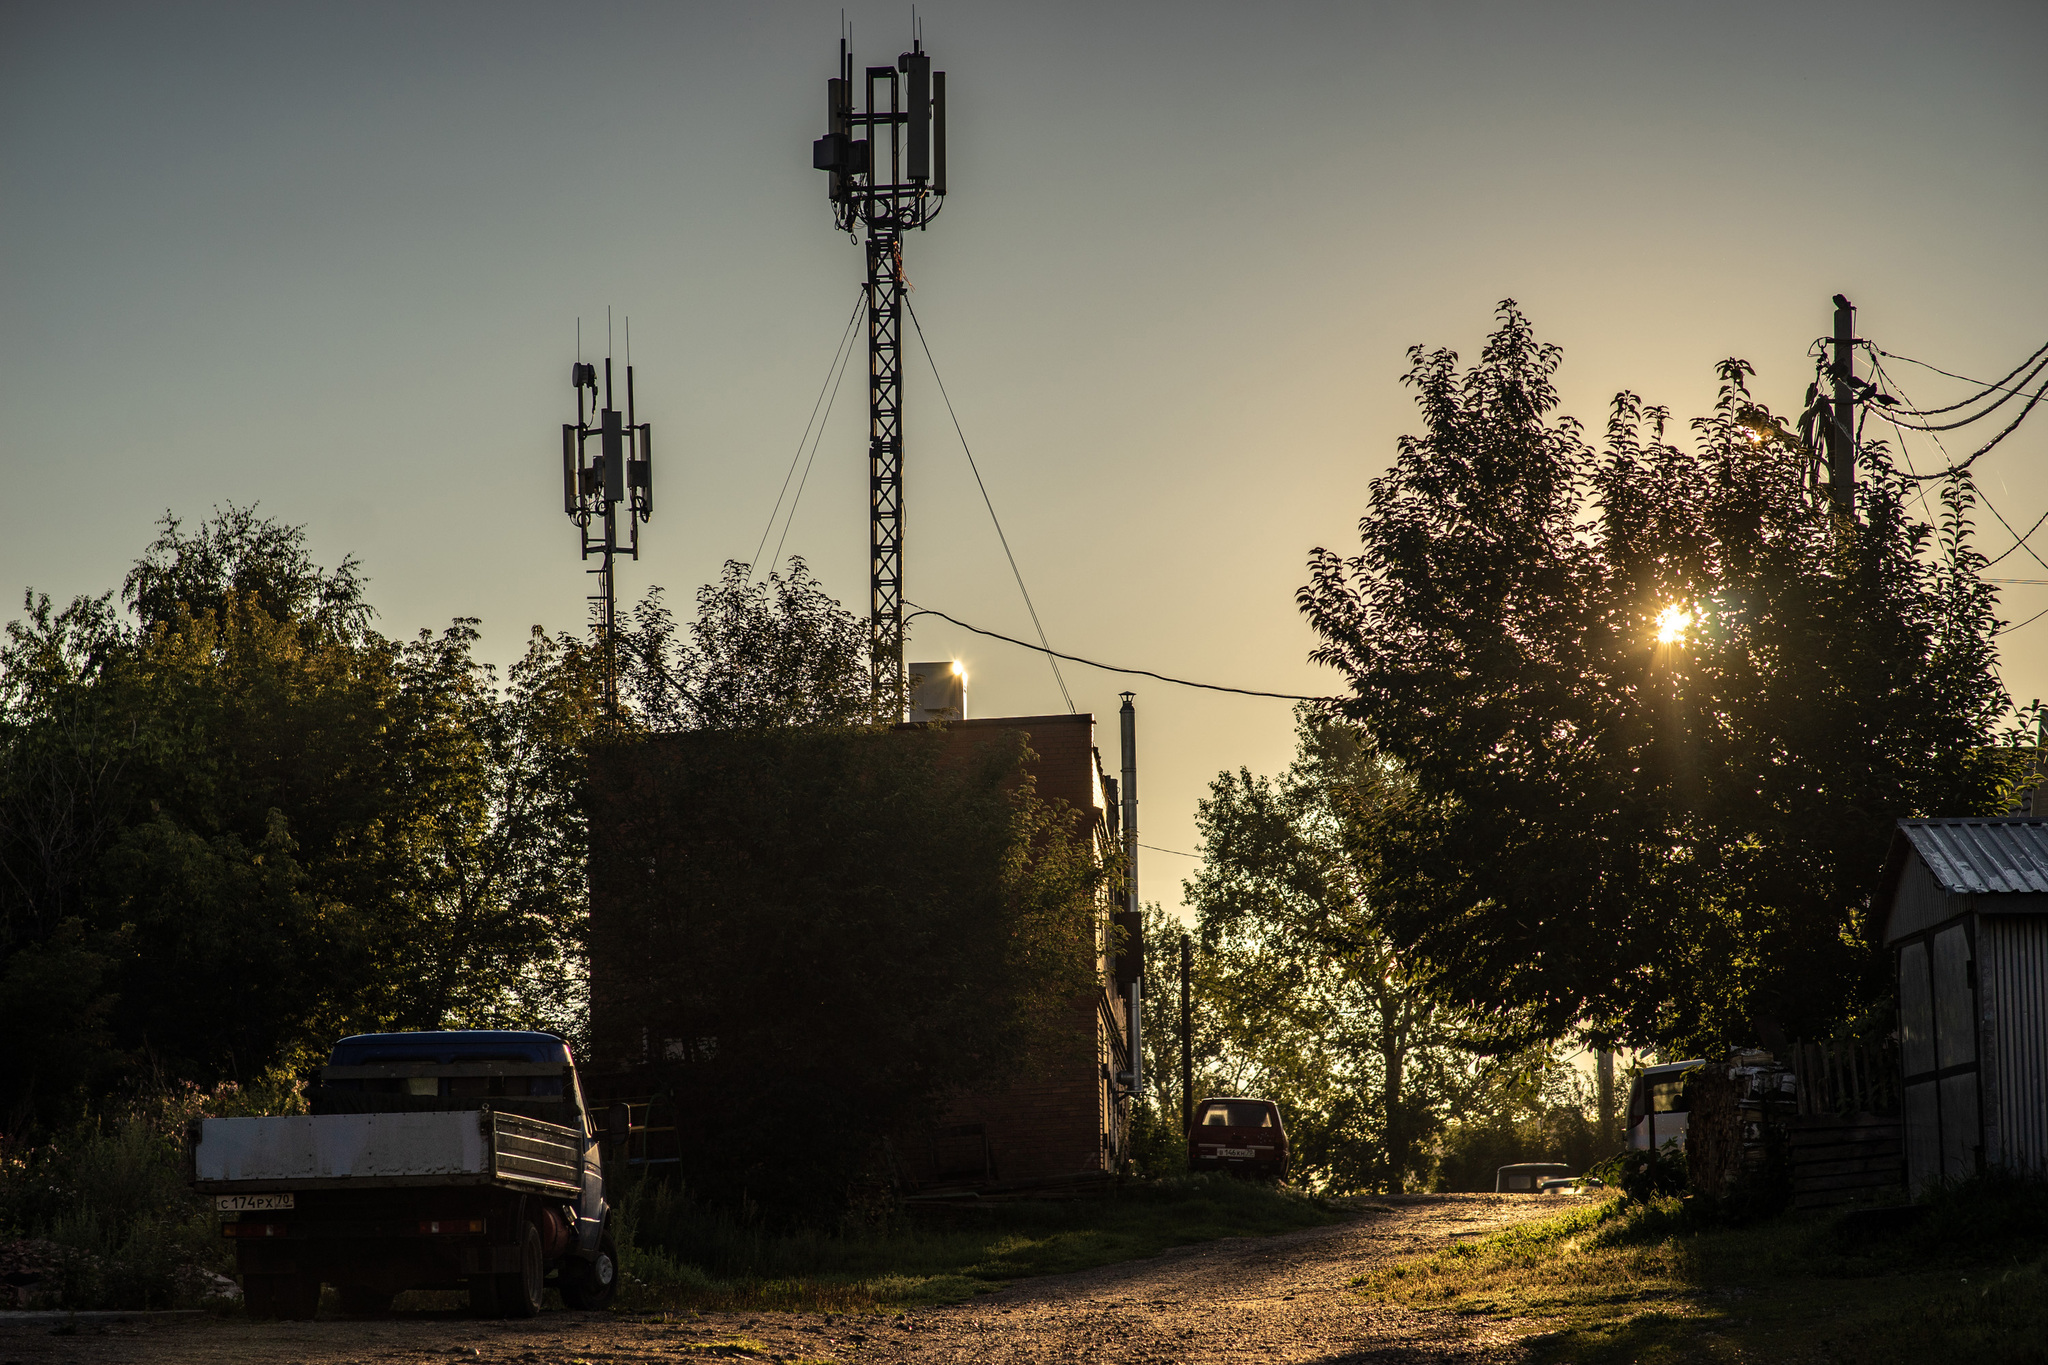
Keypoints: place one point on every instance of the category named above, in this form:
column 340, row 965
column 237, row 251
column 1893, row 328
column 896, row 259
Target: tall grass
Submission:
column 106, row 1210
column 1625, row 1280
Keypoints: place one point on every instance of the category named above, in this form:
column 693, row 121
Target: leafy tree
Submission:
column 243, row 822
column 1662, row 841
column 1301, row 996
column 758, row 655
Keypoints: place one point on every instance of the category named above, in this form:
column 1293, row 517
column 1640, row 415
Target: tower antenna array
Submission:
column 886, row 165
column 595, row 487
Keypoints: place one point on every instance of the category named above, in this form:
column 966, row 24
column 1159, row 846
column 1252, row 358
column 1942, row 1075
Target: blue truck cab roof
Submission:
column 455, row 1045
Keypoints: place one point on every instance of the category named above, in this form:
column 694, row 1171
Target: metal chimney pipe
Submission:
column 1128, row 790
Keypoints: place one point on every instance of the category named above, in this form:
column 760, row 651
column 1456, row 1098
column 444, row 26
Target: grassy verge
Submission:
column 1647, row 1283
column 686, row 1259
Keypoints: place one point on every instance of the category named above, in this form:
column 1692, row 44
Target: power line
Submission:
column 1051, row 657
column 1978, row 416
column 2007, row 630
column 834, row 368
column 1112, row 668
column 1174, row 851
column 1956, row 466
column 1983, row 387
column 2019, row 542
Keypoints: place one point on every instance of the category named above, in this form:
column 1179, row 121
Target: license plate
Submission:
column 252, row 1203
column 1235, row 1151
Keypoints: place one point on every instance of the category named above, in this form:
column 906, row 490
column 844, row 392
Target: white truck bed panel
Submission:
column 321, row 1149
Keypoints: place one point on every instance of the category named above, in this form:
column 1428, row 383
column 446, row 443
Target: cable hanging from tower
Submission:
column 1050, row 656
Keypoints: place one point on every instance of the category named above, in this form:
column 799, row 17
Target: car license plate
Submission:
column 252, row 1203
column 1236, row 1151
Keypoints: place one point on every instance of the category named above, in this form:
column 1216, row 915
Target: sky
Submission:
column 330, row 259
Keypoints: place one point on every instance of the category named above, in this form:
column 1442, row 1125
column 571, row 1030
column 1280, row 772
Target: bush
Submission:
column 101, row 1213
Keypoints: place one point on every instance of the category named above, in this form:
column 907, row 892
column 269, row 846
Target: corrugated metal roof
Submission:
column 1983, row 856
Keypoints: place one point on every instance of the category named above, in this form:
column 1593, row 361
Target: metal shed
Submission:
column 1964, row 904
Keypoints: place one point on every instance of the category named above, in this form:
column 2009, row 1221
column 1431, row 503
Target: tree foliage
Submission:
column 241, row 821
column 1664, row 842
column 780, row 652
column 1302, row 996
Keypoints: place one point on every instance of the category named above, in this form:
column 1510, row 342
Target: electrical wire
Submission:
column 2007, row 630
column 1174, row 851
column 2010, row 548
column 1956, row 466
column 1978, row 416
column 1052, row 656
column 2019, row 542
column 1983, row 387
column 834, row 368
column 1112, row 668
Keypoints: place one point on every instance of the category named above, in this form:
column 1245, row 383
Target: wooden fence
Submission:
column 1846, row 1076
column 1844, row 1159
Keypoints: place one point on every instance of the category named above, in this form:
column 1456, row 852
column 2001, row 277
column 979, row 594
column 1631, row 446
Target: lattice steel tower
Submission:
column 887, row 182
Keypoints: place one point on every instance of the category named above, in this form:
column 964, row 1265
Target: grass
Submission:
column 1618, row 1282
column 686, row 1259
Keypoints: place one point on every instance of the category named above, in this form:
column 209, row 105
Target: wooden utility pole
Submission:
column 1187, row 1041
column 1842, row 431
column 1605, row 1074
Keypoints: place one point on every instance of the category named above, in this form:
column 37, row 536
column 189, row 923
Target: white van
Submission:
column 1657, row 1111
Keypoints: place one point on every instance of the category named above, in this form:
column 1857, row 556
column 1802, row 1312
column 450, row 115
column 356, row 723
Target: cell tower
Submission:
column 595, row 486
column 886, row 182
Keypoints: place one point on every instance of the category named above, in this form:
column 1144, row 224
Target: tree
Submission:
column 758, row 655
column 1660, row 840
column 243, row 822
column 1302, row 998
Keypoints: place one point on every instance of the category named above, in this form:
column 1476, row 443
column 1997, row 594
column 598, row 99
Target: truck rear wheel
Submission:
column 516, row 1293
column 591, row 1285
column 281, row 1296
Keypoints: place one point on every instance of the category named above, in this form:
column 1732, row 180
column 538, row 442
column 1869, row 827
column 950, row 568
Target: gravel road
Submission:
column 1283, row 1298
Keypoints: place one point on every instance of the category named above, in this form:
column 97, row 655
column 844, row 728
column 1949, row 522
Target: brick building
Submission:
column 1067, row 1117
column 1064, row 1117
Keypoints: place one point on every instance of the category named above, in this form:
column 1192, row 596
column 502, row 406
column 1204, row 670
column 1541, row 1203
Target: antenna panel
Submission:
column 938, row 132
column 640, row 474
column 918, row 110
column 569, row 469
column 614, row 457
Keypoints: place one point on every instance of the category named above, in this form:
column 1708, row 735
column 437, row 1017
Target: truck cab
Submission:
column 430, row 1160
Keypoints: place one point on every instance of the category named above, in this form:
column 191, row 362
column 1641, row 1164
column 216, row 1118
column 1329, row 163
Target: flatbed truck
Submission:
column 432, row 1160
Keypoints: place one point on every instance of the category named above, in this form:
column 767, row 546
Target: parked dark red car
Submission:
column 1242, row 1136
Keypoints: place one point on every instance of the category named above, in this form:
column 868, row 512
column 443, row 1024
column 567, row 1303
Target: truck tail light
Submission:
column 446, row 1227
column 252, row 1229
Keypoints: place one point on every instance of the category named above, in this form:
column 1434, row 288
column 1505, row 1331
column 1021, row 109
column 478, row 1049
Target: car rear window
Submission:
column 1238, row 1115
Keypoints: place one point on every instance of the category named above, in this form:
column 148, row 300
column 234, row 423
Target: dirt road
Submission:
column 1283, row 1298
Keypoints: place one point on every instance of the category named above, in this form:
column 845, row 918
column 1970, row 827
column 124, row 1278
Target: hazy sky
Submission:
column 330, row 258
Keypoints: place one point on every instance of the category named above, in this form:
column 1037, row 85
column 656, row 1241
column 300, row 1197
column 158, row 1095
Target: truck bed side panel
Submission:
column 312, row 1149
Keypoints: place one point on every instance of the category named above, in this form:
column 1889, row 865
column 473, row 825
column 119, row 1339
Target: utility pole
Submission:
column 1606, row 1081
column 1187, row 1040
column 886, row 183
column 1131, row 965
column 1842, row 431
